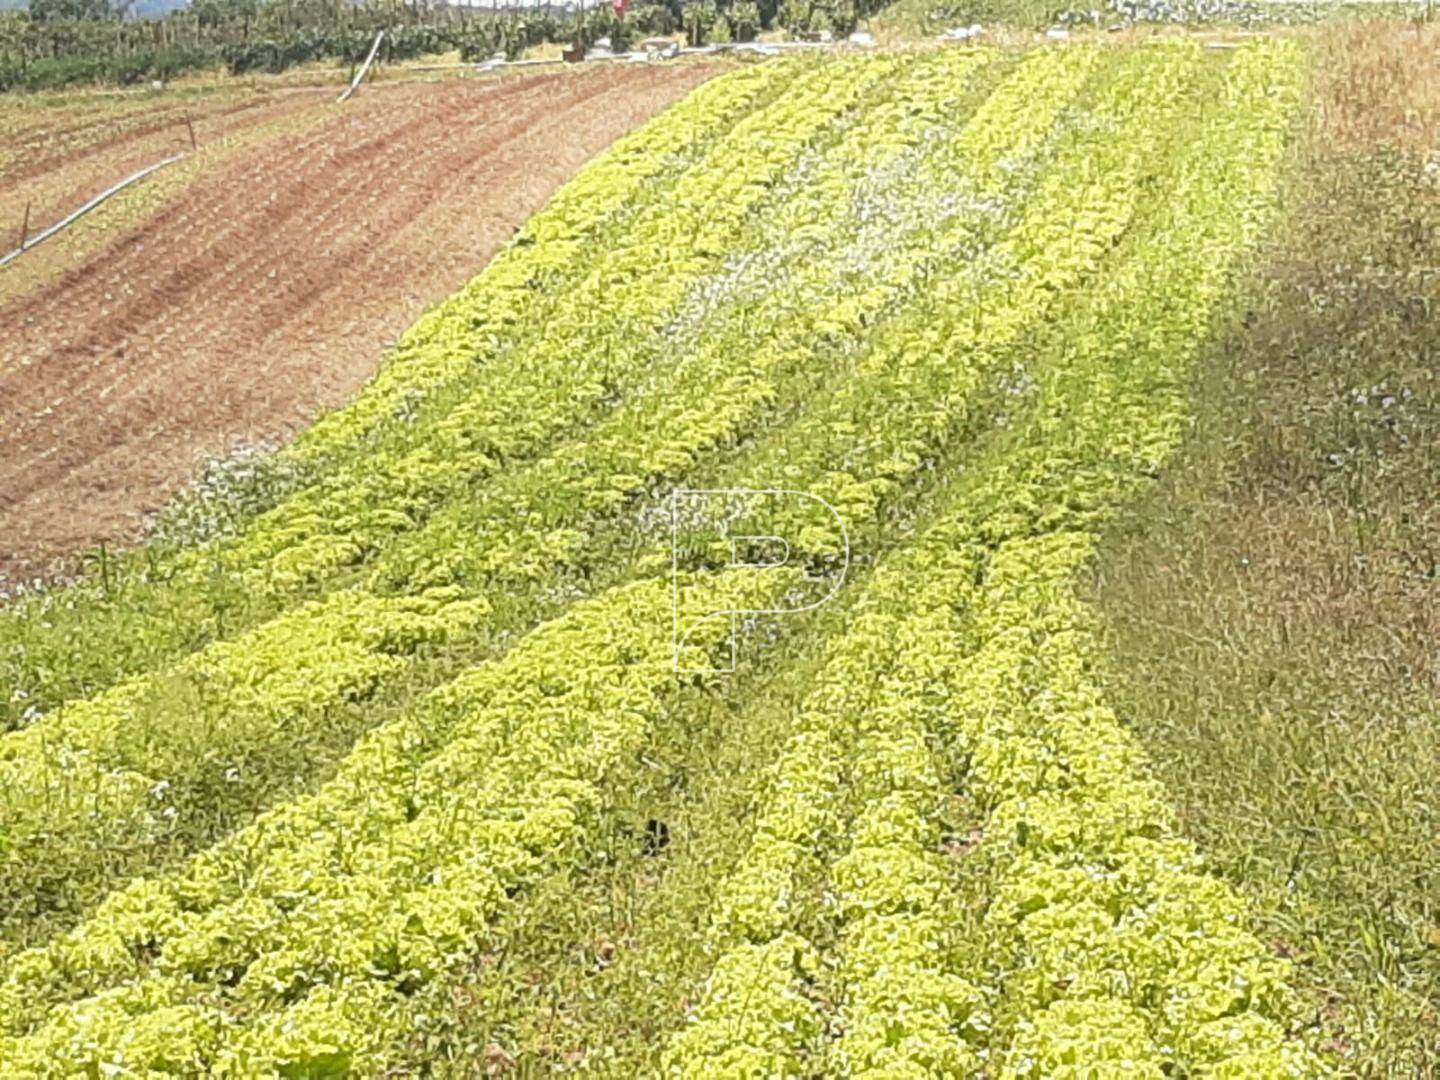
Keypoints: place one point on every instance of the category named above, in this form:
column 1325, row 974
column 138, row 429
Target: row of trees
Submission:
column 62, row 42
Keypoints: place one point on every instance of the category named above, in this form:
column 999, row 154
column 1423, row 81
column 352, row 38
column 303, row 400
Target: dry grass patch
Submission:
column 1274, row 609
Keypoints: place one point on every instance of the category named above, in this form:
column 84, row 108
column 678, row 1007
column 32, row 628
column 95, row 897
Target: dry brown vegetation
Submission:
column 1275, row 608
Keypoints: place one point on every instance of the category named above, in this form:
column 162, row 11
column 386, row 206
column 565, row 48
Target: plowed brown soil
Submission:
column 267, row 288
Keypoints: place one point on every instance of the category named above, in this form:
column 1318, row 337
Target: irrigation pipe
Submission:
column 66, row 222
column 363, row 68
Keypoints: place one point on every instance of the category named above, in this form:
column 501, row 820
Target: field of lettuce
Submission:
column 376, row 759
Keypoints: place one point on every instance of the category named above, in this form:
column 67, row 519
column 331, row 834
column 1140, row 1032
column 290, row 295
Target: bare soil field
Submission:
column 239, row 292
column 55, row 155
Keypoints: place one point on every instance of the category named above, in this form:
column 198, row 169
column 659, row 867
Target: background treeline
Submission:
column 64, row 42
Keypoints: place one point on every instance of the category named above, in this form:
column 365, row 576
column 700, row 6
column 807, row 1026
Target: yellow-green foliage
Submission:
column 832, row 293
column 332, row 910
column 523, row 527
column 110, row 779
column 149, row 611
column 1106, row 951
column 572, row 359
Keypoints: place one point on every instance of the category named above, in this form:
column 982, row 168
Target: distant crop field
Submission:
column 409, row 749
column 228, row 298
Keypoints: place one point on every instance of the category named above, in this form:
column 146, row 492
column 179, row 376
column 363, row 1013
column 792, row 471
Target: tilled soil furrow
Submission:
column 250, row 295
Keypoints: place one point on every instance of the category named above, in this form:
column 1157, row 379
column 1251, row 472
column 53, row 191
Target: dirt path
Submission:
column 267, row 289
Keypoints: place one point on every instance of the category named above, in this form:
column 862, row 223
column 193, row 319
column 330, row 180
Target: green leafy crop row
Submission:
column 944, row 78
column 1103, row 950
column 815, row 295
column 759, row 901
column 71, row 798
column 72, row 642
column 91, row 792
column 359, row 893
